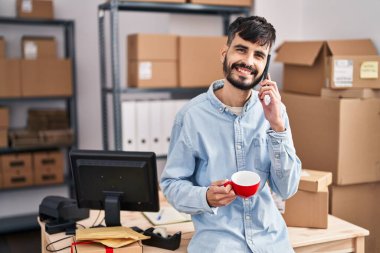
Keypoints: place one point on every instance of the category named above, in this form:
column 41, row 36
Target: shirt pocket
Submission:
column 260, row 155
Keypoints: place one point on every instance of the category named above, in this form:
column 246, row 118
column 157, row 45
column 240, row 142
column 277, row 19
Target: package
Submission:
column 41, row 9
column 360, row 205
column 337, row 135
column 99, row 248
column 48, row 167
column 152, row 61
column 45, row 119
column 4, row 117
column 313, row 65
column 46, row 77
column 314, row 180
column 33, row 47
column 16, row 170
column 24, row 138
column 199, row 60
column 61, row 137
column 307, row 209
column 152, row 74
column 3, row 138
column 152, row 47
column 2, row 47
column 247, row 3
column 10, row 78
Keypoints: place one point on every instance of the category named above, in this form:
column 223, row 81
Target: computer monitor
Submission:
column 114, row 181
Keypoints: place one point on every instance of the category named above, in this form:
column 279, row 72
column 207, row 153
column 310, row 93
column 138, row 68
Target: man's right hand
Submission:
column 218, row 195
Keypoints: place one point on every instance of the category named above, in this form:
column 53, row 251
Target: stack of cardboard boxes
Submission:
column 158, row 61
column 39, row 73
column 331, row 90
column 310, row 205
column 27, row 169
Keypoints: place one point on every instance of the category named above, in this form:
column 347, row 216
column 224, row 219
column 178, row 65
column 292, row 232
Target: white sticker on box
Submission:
column 30, row 50
column 343, row 73
column 27, row 6
column 145, row 70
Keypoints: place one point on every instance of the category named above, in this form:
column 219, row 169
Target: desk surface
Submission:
column 341, row 236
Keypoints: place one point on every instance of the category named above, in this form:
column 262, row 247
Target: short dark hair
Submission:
column 254, row 29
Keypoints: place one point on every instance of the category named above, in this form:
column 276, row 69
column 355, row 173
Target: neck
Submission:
column 232, row 96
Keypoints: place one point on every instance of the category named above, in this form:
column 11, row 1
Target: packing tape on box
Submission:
column 107, row 249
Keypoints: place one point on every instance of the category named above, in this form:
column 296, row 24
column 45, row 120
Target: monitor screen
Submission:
column 114, row 181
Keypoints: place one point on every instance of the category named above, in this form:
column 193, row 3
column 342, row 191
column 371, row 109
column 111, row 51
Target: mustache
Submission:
column 243, row 65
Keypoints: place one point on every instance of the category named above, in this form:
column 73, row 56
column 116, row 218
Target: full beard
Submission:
column 239, row 83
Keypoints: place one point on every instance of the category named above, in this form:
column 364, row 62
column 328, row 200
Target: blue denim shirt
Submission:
column 210, row 143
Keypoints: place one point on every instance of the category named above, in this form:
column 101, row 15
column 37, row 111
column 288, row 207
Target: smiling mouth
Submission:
column 244, row 71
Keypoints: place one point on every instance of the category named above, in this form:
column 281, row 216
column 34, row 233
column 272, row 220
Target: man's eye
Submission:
column 241, row 50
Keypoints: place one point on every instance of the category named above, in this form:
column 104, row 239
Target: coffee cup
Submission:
column 244, row 183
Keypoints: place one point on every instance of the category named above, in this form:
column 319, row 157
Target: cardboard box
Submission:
column 10, row 78
column 100, row 248
column 17, row 170
column 152, row 74
column 48, row 167
column 307, row 209
column 247, row 3
column 351, row 93
column 33, row 47
column 314, row 180
column 35, row 9
column 61, row 137
column 306, row 68
column 360, row 205
column 4, row 117
column 50, row 118
column 199, row 60
column 151, row 47
column 24, row 138
column 337, row 135
column 2, row 47
column 3, row 138
column 46, row 77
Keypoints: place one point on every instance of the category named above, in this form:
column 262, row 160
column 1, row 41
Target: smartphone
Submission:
column 265, row 76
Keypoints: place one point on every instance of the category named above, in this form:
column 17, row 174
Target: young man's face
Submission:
column 244, row 62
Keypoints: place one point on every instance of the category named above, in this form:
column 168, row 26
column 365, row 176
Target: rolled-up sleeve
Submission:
column 285, row 170
column 176, row 179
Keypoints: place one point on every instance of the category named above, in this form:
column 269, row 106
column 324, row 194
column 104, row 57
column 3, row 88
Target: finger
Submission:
column 220, row 189
column 265, row 89
column 268, row 77
column 219, row 182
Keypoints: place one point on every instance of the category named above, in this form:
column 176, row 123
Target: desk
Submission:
column 341, row 236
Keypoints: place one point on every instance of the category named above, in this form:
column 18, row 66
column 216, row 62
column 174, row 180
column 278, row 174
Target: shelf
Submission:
column 35, row 187
column 29, row 149
column 33, row 99
column 179, row 8
column 42, row 22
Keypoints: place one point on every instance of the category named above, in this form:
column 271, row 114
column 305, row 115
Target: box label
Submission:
column 343, row 73
column 30, row 50
column 27, row 6
column 145, row 70
column 369, row 70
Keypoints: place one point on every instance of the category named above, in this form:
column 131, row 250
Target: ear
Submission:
column 223, row 53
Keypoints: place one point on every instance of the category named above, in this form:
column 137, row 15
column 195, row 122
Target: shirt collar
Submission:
column 218, row 84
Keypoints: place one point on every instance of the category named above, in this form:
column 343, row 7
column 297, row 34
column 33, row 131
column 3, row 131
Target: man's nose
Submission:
column 250, row 60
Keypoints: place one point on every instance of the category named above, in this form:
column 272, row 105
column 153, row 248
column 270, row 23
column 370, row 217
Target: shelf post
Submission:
column 115, row 62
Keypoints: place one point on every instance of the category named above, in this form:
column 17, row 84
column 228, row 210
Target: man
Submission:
column 227, row 129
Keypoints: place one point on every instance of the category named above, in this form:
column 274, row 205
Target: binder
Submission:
column 168, row 112
column 143, row 126
column 155, row 127
column 128, row 125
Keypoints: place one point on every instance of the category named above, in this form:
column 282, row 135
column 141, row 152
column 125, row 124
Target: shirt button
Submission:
column 220, row 109
column 238, row 146
column 250, row 242
column 247, row 217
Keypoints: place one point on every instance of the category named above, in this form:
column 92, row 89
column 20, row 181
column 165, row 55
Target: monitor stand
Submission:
column 112, row 208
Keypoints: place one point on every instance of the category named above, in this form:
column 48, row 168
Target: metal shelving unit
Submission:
column 114, row 6
column 27, row 221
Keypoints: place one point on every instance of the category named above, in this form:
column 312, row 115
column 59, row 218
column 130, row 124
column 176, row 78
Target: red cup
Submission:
column 244, row 183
